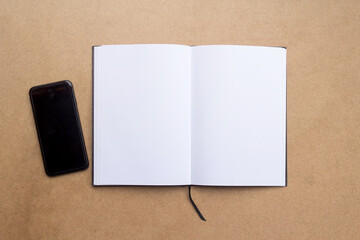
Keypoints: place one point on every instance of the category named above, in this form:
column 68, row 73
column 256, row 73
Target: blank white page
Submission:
column 142, row 115
column 239, row 116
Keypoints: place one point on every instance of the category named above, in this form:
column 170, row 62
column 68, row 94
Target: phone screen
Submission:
column 58, row 127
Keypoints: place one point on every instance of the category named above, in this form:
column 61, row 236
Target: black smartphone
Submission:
column 58, row 128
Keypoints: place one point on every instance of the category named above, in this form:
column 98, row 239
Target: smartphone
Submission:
column 58, row 128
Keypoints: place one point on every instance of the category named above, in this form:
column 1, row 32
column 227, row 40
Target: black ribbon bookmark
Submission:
column 194, row 205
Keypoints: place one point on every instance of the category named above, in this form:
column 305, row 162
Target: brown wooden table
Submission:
column 46, row 41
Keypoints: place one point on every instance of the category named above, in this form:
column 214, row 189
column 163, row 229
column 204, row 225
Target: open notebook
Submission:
column 189, row 115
